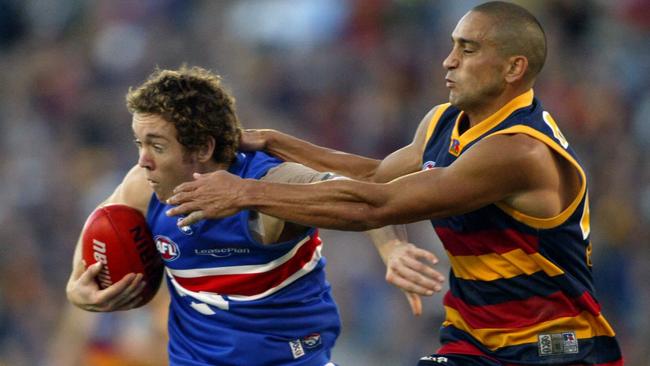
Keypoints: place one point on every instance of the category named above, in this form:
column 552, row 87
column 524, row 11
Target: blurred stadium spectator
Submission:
column 356, row 75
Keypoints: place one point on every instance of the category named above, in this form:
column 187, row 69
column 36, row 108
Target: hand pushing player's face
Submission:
column 475, row 69
column 166, row 161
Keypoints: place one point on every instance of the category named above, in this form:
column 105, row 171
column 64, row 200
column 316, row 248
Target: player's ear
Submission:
column 205, row 152
column 517, row 66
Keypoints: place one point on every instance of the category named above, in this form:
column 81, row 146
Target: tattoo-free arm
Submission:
column 494, row 169
column 289, row 148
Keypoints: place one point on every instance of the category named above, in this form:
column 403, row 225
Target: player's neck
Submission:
column 481, row 112
column 211, row 166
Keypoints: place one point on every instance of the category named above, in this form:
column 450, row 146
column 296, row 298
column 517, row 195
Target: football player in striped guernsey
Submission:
column 501, row 185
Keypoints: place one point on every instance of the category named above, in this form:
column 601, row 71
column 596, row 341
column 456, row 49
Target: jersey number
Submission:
column 556, row 130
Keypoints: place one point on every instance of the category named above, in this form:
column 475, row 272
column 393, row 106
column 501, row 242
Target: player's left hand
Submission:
column 208, row 196
column 411, row 269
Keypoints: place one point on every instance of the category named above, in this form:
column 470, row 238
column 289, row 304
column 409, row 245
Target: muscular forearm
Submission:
column 343, row 205
column 322, row 159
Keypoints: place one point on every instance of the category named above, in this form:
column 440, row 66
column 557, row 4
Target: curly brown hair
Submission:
column 193, row 99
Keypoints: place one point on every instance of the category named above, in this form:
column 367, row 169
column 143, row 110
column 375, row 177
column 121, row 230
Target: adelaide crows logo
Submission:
column 454, row 148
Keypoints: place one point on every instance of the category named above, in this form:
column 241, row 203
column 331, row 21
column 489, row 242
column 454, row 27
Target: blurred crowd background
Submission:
column 355, row 75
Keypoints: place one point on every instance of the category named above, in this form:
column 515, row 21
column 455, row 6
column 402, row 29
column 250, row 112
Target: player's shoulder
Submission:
column 428, row 123
column 134, row 190
column 522, row 149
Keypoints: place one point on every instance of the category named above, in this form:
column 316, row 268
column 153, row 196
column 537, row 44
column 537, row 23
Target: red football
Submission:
column 118, row 236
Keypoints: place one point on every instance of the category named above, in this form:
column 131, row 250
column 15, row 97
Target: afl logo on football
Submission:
column 429, row 165
column 167, row 248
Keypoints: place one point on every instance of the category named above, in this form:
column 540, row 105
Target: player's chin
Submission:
column 162, row 194
column 453, row 98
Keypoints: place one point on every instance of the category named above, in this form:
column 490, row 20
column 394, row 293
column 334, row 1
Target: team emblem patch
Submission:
column 187, row 229
column 454, row 147
column 167, row 248
column 311, row 341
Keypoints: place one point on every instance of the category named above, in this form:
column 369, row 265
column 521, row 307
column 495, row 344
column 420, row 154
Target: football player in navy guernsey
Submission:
column 501, row 185
column 247, row 289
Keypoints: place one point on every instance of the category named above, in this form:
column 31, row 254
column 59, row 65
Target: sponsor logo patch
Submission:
column 221, row 252
column 557, row 343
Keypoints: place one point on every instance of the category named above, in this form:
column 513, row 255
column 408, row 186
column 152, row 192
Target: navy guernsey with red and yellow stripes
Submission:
column 521, row 289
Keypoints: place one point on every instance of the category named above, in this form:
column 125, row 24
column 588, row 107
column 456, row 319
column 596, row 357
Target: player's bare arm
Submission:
column 82, row 290
column 519, row 170
column 403, row 161
column 407, row 267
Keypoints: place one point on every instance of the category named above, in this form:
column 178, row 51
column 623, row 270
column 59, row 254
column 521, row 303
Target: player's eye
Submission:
column 158, row 148
column 137, row 143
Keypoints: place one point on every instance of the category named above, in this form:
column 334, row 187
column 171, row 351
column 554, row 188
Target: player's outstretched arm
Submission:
column 82, row 289
column 401, row 162
column 499, row 168
column 322, row 159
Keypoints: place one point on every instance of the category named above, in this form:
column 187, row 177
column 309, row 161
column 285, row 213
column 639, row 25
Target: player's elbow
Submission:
column 374, row 217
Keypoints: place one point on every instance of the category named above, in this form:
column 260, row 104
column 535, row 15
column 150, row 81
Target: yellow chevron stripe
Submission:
column 493, row 266
column 585, row 325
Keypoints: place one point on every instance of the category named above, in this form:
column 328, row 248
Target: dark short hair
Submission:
column 194, row 101
column 517, row 32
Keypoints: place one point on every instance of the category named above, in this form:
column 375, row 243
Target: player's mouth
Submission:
column 449, row 83
column 152, row 182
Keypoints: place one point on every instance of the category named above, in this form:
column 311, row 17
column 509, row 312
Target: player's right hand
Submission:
column 83, row 291
column 253, row 140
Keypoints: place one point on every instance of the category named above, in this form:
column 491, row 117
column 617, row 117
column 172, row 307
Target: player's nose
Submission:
column 144, row 160
column 451, row 61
